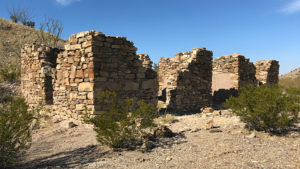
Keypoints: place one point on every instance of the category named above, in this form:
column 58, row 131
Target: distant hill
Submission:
column 290, row 79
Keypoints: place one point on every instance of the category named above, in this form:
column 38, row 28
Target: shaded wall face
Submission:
column 267, row 71
column 118, row 68
column 247, row 73
column 185, row 81
column 37, row 73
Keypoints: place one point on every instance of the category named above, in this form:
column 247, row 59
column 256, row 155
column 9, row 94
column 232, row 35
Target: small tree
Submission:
column 118, row 127
column 265, row 108
column 15, row 122
column 50, row 32
column 19, row 14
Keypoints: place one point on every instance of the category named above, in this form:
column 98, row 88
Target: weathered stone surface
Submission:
column 185, row 81
column 91, row 62
column 267, row 71
column 86, row 87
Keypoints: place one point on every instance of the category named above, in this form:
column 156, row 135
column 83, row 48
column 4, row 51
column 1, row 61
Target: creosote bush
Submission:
column 266, row 108
column 15, row 122
column 121, row 125
column 10, row 73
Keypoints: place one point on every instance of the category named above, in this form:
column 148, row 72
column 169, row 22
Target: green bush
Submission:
column 121, row 126
column 15, row 122
column 266, row 108
column 10, row 73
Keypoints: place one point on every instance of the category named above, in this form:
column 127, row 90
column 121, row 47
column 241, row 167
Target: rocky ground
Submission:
column 202, row 141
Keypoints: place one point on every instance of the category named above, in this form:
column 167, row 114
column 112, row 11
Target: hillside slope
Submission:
column 290, row 79
column 12, row 37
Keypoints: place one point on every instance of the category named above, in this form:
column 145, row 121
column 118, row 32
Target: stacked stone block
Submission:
column 267, row 71
column 185, row 81
column 93, row 62
column 239, row 68
column 38, row 64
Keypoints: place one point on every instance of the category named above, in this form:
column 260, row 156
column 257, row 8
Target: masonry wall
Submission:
column 38, row 63
column 185, row 81
column 230, row 73
column 93, row 62
column 267, row 71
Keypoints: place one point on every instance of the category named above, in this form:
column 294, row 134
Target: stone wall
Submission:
column 69, row 80
column 230, row 72
column 91, row 62
column 38, row 62
column 267, row 71
column 185, row 81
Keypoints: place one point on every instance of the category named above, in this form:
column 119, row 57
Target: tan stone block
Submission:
column 73, row 72
column 80, row 106
column 75, row 47
column 90, row 95
column 79, row 74
column 86, row 86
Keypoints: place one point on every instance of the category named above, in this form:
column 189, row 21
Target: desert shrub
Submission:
column 265, row 108
column 121, row 126
column 15, row 121
column 29, row 23
column 10, row 73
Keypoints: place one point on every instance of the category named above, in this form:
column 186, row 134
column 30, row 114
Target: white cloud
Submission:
column 66, row 2
column 292, row 7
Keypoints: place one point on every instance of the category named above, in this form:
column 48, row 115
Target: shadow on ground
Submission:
column 69, row 159
column 92, row 153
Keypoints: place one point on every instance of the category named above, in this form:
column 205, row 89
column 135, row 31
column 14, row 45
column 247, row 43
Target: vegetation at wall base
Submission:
column 121, row 126
column 15, row 135
column 266, row 108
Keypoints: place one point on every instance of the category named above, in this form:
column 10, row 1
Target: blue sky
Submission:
column 258, row 29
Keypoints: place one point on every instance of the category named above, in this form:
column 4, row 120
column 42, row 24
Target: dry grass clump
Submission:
column 167, row 118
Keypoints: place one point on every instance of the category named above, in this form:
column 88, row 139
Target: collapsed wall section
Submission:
column 185, row 81
column 230, row 73
column 267, row 71
column 38, row 64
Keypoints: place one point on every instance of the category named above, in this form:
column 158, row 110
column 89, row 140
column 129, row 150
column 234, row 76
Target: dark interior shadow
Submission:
column 220, row 96
column 69, row 159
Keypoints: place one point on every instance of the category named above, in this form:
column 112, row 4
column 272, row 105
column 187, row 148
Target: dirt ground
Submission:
column 226, row 145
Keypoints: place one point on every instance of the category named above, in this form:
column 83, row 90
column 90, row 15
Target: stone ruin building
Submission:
column 68, row 80
column 185, row 81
